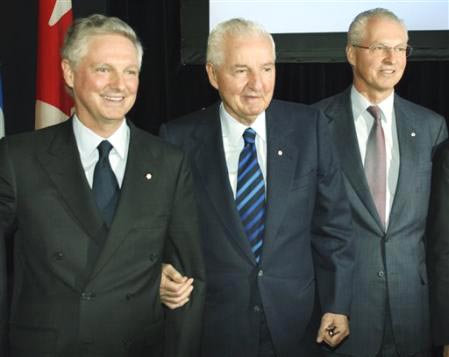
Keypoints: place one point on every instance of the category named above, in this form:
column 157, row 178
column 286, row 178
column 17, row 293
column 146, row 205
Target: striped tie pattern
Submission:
column 250, row 196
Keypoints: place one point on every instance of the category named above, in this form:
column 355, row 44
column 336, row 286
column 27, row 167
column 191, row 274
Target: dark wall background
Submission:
column 169, row 89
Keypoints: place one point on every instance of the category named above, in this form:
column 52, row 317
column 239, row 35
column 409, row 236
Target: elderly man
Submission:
column 385, row 146
column 94, row 205
column 274, row 216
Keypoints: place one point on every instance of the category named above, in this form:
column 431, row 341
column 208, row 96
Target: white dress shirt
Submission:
column 233, row 143
column 87, row 142
column 363, row 122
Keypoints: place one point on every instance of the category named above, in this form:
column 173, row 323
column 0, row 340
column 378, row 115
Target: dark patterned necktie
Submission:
column 105, row 186
column 250, row 196
column 376, row 163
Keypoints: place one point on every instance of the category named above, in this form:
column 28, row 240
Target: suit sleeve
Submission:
column 332, row 238
column 7, row 219
column 438, row 247
column 442, row 133
column 183, row 251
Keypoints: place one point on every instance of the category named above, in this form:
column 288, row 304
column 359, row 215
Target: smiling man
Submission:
column 385, row 146
column 94, row 206
column 275, row 220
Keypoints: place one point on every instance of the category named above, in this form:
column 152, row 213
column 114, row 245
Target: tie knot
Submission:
column 249, row 135
column 104, row 148
column 375, row 111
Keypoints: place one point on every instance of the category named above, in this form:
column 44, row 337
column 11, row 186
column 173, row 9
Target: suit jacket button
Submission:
column 87, row 296
column 257, row 308
column 153, row 257
column 381, row 274
column 58, row 255
column 260, row 273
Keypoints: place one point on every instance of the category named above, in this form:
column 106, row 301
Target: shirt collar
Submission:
column 88, row 141
column 360, row 104
column 233, row 129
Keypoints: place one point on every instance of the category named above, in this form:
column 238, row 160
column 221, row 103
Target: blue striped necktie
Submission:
column 250, row 196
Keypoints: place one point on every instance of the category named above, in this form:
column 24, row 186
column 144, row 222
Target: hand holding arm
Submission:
column 175, row 289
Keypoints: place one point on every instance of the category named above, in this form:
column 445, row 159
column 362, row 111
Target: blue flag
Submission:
column 2, row 118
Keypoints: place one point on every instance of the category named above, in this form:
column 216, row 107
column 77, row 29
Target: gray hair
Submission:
column 80, row 32
column 233, row 27
column 357, row 28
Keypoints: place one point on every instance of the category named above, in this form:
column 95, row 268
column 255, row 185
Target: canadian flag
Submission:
column 53, row 103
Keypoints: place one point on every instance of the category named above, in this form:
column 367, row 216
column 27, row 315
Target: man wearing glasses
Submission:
column 385, row 144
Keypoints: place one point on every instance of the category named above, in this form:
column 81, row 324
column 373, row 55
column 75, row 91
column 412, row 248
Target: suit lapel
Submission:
column 135, row 190
column 210, row 161
column 342, row 126
column 282, row 156
column 62, row 163
column 406, row 125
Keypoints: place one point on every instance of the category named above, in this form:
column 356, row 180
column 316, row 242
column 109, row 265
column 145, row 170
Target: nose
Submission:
column 255, row 81
column 117, row 81
column 390, row 55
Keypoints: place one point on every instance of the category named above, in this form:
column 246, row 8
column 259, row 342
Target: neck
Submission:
column 374, row 97
column 103, row 129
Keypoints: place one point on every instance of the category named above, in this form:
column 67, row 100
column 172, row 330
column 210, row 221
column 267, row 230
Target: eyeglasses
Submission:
column 378, row 49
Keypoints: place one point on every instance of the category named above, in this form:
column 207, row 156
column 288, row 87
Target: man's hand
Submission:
column 333, row 329
column 446, row 351
column 175, row 289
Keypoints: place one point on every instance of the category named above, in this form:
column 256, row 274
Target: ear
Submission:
column 350, row 54
column 67, row 72
column 212, row 75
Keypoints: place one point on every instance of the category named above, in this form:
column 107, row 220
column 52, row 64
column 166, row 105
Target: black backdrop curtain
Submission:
column 168, row 88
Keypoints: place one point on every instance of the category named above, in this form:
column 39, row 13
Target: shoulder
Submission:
column 290, row 114
column 418, row 111
column 291, row 108
column 333, row 101
column 424, row 119
column 150, row 144
column 193, row 119
column 36, row 140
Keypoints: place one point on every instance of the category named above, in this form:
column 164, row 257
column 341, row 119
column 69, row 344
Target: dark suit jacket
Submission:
column 392, row 261
column 79, row 289
column 438, row 247
column 307, row 212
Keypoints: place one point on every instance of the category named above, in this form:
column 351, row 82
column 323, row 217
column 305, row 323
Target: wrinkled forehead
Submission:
column 248, row 46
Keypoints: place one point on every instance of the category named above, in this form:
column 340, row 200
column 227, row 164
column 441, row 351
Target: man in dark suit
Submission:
column 385, row 146
column 273, row 211
column 438, row 249
column 91, row 227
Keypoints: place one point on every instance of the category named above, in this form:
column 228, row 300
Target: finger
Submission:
column 175, row 306
column 177, row 299
column 171, row 288
column 171, row 273
column 323, row 331
column 181, row 291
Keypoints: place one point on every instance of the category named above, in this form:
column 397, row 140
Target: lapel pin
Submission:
column 148, row 176
column 413, row 133
column 280, row 153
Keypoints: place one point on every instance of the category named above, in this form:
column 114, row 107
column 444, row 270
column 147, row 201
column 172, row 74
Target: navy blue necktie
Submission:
column 250, row 196
column 105, row 186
